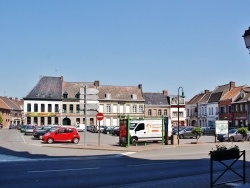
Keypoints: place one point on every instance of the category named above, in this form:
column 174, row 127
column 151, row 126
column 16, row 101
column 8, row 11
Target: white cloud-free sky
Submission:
column 161, row 44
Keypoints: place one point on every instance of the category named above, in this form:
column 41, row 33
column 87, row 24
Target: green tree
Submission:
column 243, row 131
column 197, row 131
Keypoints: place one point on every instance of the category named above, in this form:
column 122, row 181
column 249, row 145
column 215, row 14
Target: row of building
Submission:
column 55, row 101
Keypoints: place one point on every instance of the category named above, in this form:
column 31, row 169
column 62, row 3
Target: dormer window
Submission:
column 242, row 94
column 77, row 96
column 160, row 103
column 134, row 96
column 65, row 95
column 108, row 96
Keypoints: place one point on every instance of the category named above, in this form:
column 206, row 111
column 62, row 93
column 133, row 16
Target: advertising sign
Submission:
column 221, row 127
column 123, row 131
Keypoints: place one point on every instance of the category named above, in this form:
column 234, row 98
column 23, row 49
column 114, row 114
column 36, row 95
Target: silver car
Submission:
column 187, row 133
column 29, row 129
column 233, row 135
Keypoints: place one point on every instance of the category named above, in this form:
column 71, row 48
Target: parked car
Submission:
column 22, row 130
column 62, row 134
column 38, row 133
column 116, row 131
column 93, row 129
column 29, row 129
column 208, row 130
column 233, row 135
column 12, row 126
column 80, row 127
column 187, row 133
column 107, row 129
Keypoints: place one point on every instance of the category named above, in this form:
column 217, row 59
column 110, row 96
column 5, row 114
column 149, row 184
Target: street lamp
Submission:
column 178, row 115
column 247, row 38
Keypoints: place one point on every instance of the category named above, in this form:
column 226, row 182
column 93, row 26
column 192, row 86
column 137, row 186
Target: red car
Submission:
column 62, row 134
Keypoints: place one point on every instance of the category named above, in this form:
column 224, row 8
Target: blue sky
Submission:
column 161, row 44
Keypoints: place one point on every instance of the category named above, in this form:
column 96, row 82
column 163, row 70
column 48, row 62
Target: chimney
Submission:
column 165, row 92
column 231, row 85
column 96, row 83
column 10, row 98
column 206, row 91
column 140, row 86
column 16, row 98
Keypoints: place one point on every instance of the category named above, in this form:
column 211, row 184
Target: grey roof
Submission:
column 120, row 93
column 47, row 88
column 156, row 99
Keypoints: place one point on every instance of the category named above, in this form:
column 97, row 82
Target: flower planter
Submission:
column 225, row 154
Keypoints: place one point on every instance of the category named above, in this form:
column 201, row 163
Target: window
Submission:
column 71, row 108
column 49, row 107
column 222, row 109
column 42, row 121
column 28, row 107
column 49, row 120
column 134, row 109
column 64, row 108
column 159, row 112
column 149, row 112
column 56, row 120
column 229, row 109
column 241, row 108
column 139, row 127
column 78, row 95
column 77, row 108
column 35, row 107
column 42, row 108
column 28, row 120
column 141, row 109
column 165, row 112
column 56, row 108
column 65, row 95
column 108, row 108
column 114, row 108
column 35, row 120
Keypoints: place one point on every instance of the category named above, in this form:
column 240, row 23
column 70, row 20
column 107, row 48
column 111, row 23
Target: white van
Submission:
column 80, row 127
column 147, row 130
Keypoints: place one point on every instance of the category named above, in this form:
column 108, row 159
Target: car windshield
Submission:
column 52, row 129
column 232, row 130
column 132, row 126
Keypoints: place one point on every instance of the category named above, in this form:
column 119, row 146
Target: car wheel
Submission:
column 231, row 139
column 75, row 140
column 50, row 140
column 40, row 137
column 133, row 140
column 181, row 136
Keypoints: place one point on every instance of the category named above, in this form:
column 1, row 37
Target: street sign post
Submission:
column 99, row 116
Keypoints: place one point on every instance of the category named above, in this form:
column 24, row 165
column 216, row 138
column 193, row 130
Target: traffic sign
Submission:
column 92, row 106
column 92, row 97
column 99, row 116
column 91, row 91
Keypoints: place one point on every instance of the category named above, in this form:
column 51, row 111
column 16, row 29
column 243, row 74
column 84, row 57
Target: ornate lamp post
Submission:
column 178, row 115
column 247, row 38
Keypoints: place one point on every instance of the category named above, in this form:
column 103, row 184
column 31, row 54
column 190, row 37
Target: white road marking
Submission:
column 64, row 170
column 147, row 164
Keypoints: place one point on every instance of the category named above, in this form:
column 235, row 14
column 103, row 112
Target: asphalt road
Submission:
column 29, row 164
